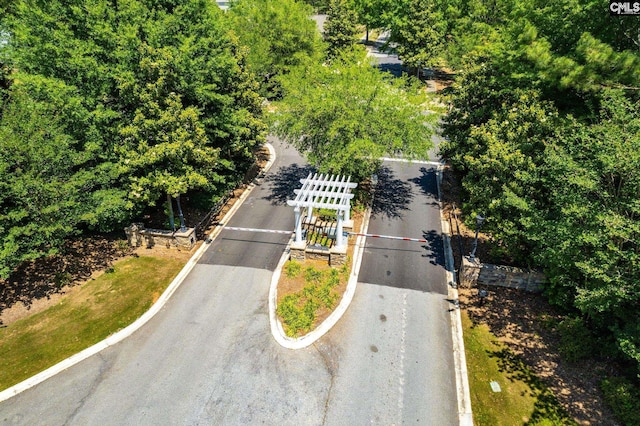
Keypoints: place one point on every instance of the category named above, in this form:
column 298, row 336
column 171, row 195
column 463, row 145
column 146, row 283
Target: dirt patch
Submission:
column 525, row 322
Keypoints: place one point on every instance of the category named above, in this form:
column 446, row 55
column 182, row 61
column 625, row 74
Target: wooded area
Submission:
column 545, row 132
column 108, row 107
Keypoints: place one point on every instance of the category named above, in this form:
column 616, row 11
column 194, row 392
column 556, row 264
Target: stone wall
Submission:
column 335, row 257
column 138, row 235
column 473, row 272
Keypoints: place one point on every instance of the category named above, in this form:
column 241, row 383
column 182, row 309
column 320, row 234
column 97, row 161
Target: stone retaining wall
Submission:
column 335, row 257
column 473, row 272
column 137, row 235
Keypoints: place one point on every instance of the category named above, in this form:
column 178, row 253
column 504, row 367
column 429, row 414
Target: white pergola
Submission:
column 323, row 192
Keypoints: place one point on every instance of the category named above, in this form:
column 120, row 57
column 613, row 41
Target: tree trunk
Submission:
column 171, row 217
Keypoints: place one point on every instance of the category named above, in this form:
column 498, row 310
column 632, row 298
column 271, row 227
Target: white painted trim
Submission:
column 404, row 160
column 465, row 415
column 308, row 339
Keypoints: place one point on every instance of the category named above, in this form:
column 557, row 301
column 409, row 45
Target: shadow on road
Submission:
column 393, row 69
column 434, row 248
column 428, row 185
column 392, row 195
column 285, row 181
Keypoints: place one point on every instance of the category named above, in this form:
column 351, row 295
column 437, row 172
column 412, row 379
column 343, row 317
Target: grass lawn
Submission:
column 98, row 309
column 523, row 400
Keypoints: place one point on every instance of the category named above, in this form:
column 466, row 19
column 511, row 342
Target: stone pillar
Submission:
column 133, row 233
column 298, row 251
column 186, row 238
column 469, row 271
column 337, row 256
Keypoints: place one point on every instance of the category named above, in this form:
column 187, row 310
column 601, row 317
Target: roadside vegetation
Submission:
column 99, row 308
column 316, row 291
column 520, row 398
column 110, row 113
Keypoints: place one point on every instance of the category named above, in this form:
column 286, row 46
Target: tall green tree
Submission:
column 147, row 98
column 136, row 57
column 592, row 233
column 373, row 14
column 340, row 28
column 279, row 35
column 418, row 31
column 346, row 115
column 544, row 127
column 45, row 192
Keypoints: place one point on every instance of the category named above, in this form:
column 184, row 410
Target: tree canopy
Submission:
column 340, row 28
column 279, row 35
column 346, row 114
column 109, row 107
column 543, row 129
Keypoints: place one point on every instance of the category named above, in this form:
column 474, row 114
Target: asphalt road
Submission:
column 208, row 356
column 397, row 367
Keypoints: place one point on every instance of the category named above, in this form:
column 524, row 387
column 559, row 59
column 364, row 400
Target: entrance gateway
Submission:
column 323, row 192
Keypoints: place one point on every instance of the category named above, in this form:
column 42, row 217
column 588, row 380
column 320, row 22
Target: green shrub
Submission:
column 624, row 399
column 298, row 311
column 62, row 279
column 312, row 275
column 292, row 269
column 122, row 246
column 297, row 319
column 576, row 341
column 326, row 214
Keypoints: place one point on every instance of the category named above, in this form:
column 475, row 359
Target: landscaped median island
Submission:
column 313, row 289
column 309, row 290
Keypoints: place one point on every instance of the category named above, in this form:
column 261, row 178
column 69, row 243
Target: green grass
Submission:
column 524, row 400
column 86, row 316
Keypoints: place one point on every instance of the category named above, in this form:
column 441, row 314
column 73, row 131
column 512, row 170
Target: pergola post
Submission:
column 339, row 236
column 324, row 192
column 298, row 225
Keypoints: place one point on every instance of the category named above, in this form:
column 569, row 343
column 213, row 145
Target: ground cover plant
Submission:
column 318, row 292
column 523, row 397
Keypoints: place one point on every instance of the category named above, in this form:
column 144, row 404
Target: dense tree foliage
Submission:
column 340, row 28
column 544, row 130
column 279, row 35
column 373, row 13
column 417, row 30
column 109, row 108
column 346, row 115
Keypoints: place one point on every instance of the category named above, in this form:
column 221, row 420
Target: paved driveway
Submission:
column 397, row 367
column 208, row 357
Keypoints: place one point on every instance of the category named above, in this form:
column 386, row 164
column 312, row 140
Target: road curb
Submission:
column 155, row 308
column 308, row 339
column 465, row 415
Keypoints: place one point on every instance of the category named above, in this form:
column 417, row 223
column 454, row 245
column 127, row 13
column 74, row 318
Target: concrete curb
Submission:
column 155, row 308
column 308, row 339
column 465, row 414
